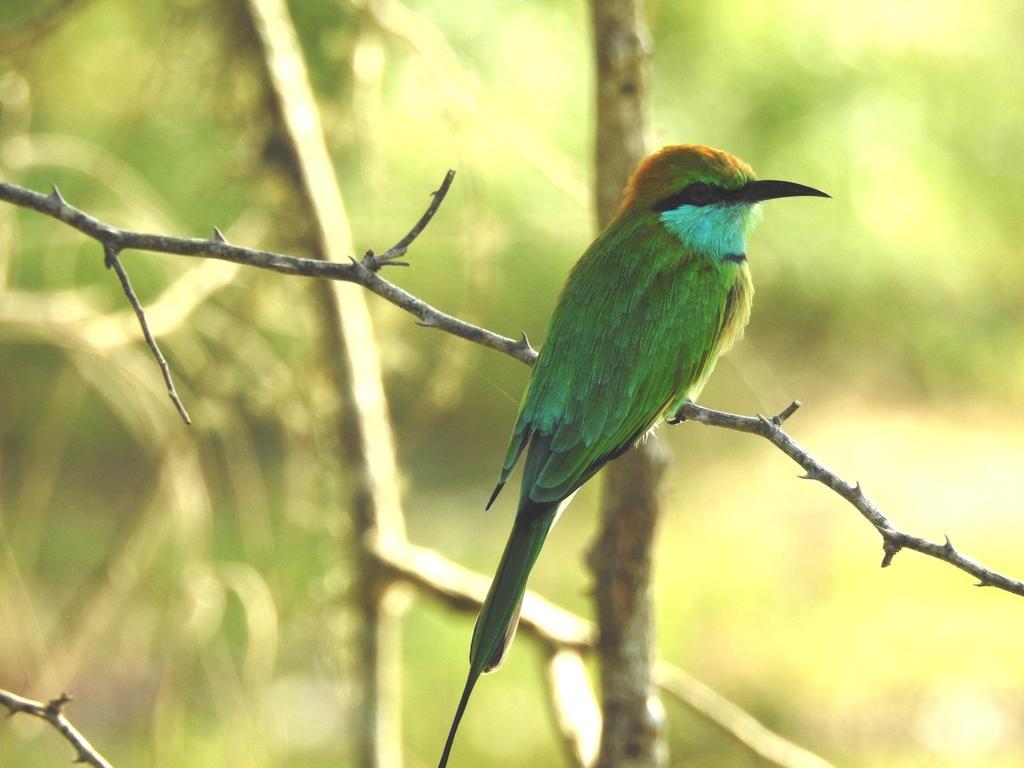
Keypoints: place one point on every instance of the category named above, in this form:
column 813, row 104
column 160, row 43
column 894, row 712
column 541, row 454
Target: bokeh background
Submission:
column 186, row 584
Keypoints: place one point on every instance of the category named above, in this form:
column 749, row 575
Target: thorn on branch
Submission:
column 218, row 236
column 524, row 343
column 948, row 547
column 56, row 196
column 890, row 547
column 55, row 706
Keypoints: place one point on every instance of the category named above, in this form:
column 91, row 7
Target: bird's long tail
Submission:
column 499, row 616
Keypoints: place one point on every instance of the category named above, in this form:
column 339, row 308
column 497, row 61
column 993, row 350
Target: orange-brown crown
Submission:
column 670, row 169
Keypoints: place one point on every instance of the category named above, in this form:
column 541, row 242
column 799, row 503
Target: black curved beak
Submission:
column 769, row 189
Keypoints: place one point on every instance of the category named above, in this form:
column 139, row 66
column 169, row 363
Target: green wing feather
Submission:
column 638, row 328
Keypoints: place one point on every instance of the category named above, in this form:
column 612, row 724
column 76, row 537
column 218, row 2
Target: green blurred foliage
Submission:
column 187, row 585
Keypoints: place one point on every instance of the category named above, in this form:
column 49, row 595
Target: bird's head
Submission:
column 707, row 198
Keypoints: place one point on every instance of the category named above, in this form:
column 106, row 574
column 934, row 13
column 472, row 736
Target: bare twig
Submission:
column 353, row 271
column 559, row 632
column 53, row 713
column 893, row 539
column 375, row 262
column 111, row 260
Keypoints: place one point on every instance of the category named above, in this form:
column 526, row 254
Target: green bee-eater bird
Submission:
column 642, row 319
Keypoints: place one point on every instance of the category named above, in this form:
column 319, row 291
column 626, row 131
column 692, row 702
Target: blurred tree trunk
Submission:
column 633, row 723
column 351, row 356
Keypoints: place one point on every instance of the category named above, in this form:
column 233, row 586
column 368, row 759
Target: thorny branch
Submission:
column 893, row 539
column 364, row 272
column 53, row 713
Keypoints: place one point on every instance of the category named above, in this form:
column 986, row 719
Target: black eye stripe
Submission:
column 698, row 194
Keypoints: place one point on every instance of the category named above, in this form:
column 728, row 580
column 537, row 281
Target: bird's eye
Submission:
column 698, row 193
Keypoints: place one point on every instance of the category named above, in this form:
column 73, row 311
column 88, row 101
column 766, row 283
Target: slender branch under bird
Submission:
column 893, row 539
